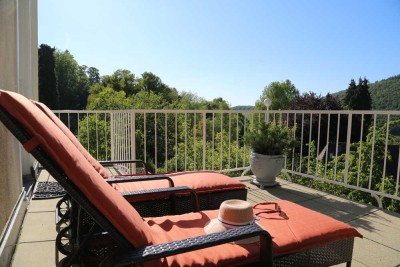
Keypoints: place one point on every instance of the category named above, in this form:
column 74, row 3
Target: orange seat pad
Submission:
column 200, row 181
column 300, row 230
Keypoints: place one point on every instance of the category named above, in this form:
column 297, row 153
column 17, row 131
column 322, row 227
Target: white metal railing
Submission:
column 351, row 149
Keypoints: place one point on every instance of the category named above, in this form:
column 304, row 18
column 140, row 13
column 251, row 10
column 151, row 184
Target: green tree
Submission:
column 83, row 88
column 281, row 94
column 48, row 93
column 216, row 104
column 385, row 94
column 93, row 75
column 121, row 80
column 188, row 100
column 357, row 96
column 148, row 100
column 71, row 81
column 151, row 82
column 105, row 98
column 155, row 123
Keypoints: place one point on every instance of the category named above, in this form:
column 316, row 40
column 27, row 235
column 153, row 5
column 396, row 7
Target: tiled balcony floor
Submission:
column 379, row 247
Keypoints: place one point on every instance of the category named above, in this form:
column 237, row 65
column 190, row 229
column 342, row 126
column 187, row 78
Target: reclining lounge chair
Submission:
column 147, row 193
column 211, row 187
column 176, row 240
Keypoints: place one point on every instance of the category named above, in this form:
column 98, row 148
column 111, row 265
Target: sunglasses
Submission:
column 265, row 210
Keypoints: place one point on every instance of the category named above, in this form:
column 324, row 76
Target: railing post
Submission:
column 133, row 136
column 386, row 152
column 112, row 135
column 348, row 143
column 204, row 140
column 166, row 140
column 155, row 142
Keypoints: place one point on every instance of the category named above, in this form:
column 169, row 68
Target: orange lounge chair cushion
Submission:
column 202, row 182
column 304, row 229
column 51, row 139
column 177, row 227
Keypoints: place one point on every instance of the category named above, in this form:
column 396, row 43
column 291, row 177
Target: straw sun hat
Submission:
column 232, row 213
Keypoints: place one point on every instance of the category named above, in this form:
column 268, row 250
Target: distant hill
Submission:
column 243, row 107
column 385, row 94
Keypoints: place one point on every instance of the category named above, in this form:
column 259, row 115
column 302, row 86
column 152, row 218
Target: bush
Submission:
column 270, row 138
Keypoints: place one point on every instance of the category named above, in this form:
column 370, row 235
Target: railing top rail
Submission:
column 160, row 111
column 365, row 112
column 371, row 112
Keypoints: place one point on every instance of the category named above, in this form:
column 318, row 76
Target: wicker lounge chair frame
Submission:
column 71, row 225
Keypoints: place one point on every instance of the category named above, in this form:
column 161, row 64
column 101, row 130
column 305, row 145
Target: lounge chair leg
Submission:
column 173, row 204
column 63, row 200
column 72, row 257
column 348, row 264
column 63, row 219
column 61, row 247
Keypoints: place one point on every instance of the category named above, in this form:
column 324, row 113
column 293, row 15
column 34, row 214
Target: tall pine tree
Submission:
column 71, row 80
column 358, row 98
column 48, row 92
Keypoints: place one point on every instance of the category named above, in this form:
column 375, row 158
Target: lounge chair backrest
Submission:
column 53, row 141
column 99, row 168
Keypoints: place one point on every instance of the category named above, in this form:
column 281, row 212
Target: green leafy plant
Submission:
column 270, row 138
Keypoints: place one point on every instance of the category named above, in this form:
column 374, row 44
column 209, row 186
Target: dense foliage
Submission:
column 365, row 169
column 386, row 94
column 315, row 126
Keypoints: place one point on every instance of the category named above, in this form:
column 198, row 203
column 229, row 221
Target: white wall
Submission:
column 18, row 73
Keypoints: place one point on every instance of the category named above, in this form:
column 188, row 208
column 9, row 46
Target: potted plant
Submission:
column 270, row 142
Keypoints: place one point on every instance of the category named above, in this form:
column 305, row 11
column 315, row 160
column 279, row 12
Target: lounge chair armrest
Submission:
column 167, row 192
column 106, row 163
column 176, row 247
column 141, row 178
column 110, row 162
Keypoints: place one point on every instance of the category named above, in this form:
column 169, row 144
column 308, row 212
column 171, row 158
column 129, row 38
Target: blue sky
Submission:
column 231, row 48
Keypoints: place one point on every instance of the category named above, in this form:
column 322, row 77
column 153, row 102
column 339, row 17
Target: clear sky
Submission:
column 230, row 48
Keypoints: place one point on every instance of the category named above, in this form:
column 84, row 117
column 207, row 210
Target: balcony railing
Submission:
column 351, row 152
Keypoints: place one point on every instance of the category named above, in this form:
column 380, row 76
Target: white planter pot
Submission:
column 266, row 168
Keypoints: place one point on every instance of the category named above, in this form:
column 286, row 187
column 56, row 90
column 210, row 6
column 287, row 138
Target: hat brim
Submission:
column 214, row 226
